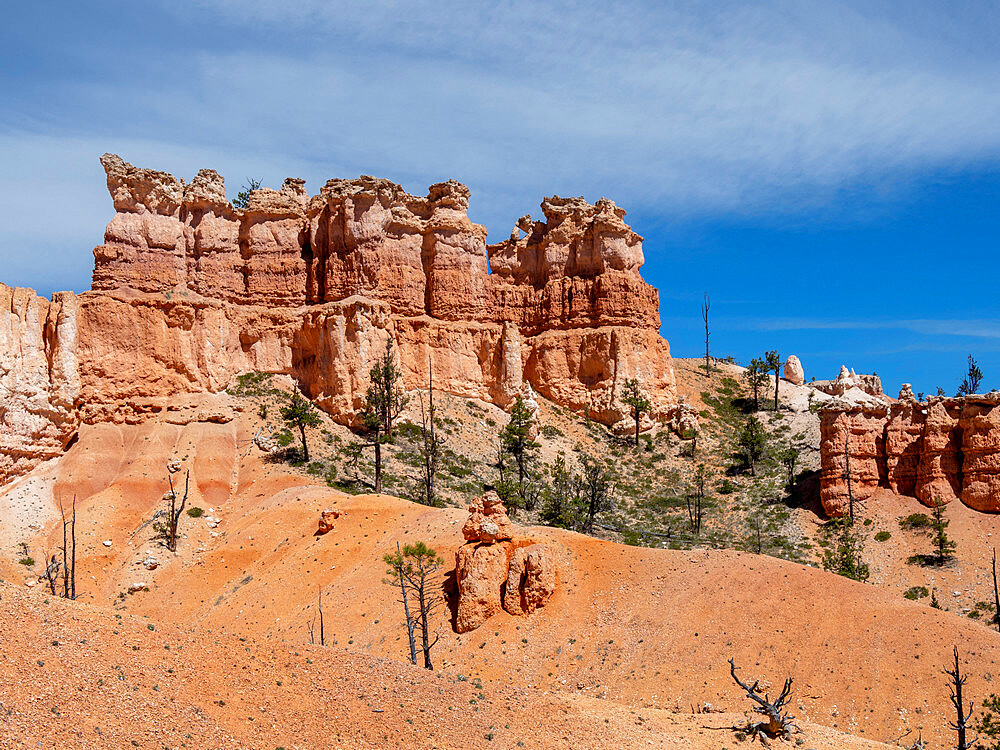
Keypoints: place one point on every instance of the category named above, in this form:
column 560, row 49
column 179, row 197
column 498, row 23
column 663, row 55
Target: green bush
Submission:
column 916, row 592
column 27, row 561
column 727, row 487
column 251, row 384
column 551, row 431
column 882, row 536
column 915, row 521
column 195, row 512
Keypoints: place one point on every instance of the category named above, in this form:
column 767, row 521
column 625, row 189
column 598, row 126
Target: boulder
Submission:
column 793, row 370
column 326, row 519
column 488, row 521
column 480, row 571
column 531, row 579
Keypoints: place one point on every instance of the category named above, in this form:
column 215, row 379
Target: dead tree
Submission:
column 696, row 499
column 996, row 592
column 175, row 510
column 312, row 622
column 962, row 714
column 51, row 573
column 68, row 551
column 778, row 724
column 430, row 443
column 704, row 316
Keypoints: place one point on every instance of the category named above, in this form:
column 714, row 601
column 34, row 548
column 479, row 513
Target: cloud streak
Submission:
column 985, row 328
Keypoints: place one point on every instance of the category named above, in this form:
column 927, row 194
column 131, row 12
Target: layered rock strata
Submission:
column 189, row 292
column 936, row 451
column 496, row 570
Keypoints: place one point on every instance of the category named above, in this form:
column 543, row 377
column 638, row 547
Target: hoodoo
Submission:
column 189, row 291
column 938, row 450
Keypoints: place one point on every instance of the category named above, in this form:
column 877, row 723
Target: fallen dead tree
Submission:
column 778, row 723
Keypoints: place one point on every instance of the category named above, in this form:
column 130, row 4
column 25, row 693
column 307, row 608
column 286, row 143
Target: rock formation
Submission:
column 793, row 370
column 848, row 380
column 326, row 519
column 496, row 570
column 937, row 451
column 189, row 292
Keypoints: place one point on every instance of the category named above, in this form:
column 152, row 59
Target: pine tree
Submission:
column 756, row 375
column 560, row 498
column 516, row 442
column 414, row 570
column 845, row 557
column 944, row 547
column 595, row 489
column 972, row 380
column 751, row 441
column 773, row 362
column 299, row 412
column 633, row 397
column 384, row 402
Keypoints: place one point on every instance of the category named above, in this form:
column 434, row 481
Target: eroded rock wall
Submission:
column 189, row 291
column 941, row 450
column 39, row 378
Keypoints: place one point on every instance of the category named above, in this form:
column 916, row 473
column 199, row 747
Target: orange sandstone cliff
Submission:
column 189, row 292
column 936, row 451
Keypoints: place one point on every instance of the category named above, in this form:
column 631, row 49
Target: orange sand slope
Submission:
column 79, row 677
column 638, row 628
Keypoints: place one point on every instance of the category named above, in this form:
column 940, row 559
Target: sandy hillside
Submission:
column 76, row 676
column 628, row 627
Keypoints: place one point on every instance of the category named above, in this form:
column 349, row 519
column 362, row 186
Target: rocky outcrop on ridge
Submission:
column 496, row 570
column 936, row 451
column 189, row 291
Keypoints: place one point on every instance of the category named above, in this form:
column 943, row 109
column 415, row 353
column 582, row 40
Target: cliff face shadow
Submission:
column 449, row 587
column 804, row 493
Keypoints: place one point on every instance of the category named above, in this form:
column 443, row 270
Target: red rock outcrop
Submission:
column 488, row 521
column 531, row 579
column 496, row 570
column 326, row 519
column 189, row 291
column 937, row 451
column 39, row 378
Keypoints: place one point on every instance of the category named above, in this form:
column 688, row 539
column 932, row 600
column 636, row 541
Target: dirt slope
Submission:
column 635, row 627
column 79, row 677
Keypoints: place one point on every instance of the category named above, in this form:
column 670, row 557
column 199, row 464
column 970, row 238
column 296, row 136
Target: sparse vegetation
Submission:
column 414, row 570
column 242, row 199
column 300, row 413
column 972, row 380
column 635, row 399
column 845, row 556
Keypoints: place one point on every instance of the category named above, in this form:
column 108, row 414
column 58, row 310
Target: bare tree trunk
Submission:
column 322, row 637
column 378, row 462
column 305, row 447
column 996, row 591
column 705, row 305
column 847, row 472
column 962, row 714
column 424, row 634
column 65, row 549
column 776, row 381
column 410, row 625
column 72, row 575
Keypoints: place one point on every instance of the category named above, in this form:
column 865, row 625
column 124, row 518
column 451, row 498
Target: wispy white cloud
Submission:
column 985, row 328
column 679, row 108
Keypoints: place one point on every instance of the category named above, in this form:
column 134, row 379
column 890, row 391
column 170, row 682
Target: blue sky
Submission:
column 828, row 172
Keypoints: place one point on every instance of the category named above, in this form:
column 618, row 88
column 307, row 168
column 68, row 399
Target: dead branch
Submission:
column 778, row 724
